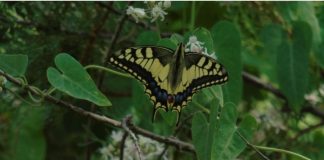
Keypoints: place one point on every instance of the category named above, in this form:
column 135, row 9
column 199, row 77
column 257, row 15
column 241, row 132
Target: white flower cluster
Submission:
column 149, row 149
column 316, row 96
column 196, row 46
column 268, row 116
column 155, row 11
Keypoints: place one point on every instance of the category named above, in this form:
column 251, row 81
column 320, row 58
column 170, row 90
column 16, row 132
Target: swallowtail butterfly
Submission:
column 170, row 77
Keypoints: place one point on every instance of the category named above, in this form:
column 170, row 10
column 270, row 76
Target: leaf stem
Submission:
column 193, row 16
column 281, row 151
column 108, row 70
column 201, row 107
column 21, row 98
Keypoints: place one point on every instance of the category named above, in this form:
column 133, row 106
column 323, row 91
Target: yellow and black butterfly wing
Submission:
column 151, row 66
column 200, row 71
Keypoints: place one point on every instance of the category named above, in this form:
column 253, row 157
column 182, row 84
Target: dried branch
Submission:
column 127, row 121
column 122, row 146
column 101, row 118
column 258, row 82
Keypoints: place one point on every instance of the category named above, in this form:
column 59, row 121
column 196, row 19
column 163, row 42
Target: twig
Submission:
column 111, row 47
column 115, row 36
column 252, row 146
column 304, row 131
column 93, row 35
column 125, row 123
column 101, row 118
column 122, row 145
column 113, row 10
column 258, row 82
column 266, row 86
column 177, row 130
column 54, row 29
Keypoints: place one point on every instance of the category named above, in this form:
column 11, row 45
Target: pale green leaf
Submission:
column 72, row 79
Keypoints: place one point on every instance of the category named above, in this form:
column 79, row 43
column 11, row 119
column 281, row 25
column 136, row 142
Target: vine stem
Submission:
column 108, row 70
column 281, row 151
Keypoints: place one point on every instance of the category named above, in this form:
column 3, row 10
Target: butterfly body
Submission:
column 170, row 77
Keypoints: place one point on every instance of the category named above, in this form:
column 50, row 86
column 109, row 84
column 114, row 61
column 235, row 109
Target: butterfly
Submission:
column 170, row 77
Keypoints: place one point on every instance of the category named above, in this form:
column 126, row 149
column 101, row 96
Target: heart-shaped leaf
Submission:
column 72, row 79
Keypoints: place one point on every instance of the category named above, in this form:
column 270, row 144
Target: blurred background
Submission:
column 281, row 46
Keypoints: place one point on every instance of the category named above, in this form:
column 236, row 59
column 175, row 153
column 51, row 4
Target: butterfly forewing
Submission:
column 204, row 71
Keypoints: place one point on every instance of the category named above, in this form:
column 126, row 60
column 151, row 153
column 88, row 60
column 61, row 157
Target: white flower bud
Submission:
column 157, row 12
column 136, row 13
column 167, row 4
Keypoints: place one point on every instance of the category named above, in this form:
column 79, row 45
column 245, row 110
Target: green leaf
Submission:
column 247, row 127
column 227, row 43
column 227, row 144
column 27, row 141
column 203, row 132
column 168, row 43
column 292, row 66
column 319, row 54
column 72, row 79
column 306, row 12
column 271, row 44
column 176, row 38
column 199, row 130
column 148, row 38
column 14, row 65
column 216, row 92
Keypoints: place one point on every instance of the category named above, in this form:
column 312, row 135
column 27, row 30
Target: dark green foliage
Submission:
column 291, row 65
column 280, row 43
column 227, row 43
column 15, row 65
